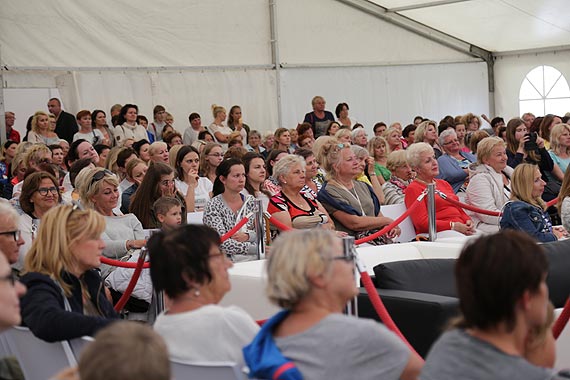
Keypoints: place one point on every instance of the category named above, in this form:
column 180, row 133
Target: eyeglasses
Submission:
column 452, row 142
column 167, row 182
column 43, row 191
column 16, row 234
column 11, row 278
column 44, row 161
column 216, row 155
column 346, row 259
column 343, row 145
column 100, row 175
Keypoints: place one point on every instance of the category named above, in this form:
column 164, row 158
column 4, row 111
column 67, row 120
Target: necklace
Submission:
column 354, row 195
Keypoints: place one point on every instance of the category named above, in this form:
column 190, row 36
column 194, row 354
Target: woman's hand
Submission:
column 370, row 163
column 192, row 178
column 540, row 142
column 522, row 141
column 241, row 237
column 135, row 244
column 394, row 232
column 560, row 232
column 467, row 228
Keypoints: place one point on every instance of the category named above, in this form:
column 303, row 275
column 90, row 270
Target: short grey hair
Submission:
column 8, row 212
column 356, row 132
column 414, row 152
column 296, row 255
column 284, row 165
column 444, row 135
column 359, row 151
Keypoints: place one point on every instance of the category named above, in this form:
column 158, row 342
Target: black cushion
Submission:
column 434, row 276
column 558, row 280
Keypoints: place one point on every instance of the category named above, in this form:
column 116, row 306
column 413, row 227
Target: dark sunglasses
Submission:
column 16, row 234
column 347, row 258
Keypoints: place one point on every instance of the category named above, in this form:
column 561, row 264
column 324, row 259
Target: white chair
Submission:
column 408, row 232
column 205, row 371
column 79, row 344
column 39, row 360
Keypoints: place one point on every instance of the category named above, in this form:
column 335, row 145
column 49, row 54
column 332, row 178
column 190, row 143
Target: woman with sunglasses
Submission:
column 40, row 193
column 65, row 297
column 310, row 278
column 353, row 205
column 157, row 182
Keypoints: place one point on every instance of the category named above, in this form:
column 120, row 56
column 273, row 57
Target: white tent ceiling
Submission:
column 493, row 25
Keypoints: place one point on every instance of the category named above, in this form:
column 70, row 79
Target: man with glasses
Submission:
column 10, row 236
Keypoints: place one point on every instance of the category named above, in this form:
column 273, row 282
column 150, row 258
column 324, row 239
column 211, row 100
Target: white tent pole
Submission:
column 2, row 111
column 275, row 58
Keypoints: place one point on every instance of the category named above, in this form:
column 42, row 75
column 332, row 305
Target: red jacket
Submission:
column 445, row 212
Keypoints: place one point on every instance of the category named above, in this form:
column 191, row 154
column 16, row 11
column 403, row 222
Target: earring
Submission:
column 197, row 292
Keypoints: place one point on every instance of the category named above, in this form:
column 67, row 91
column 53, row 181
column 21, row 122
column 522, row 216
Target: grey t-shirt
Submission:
column 458, row 355
column 344, row 347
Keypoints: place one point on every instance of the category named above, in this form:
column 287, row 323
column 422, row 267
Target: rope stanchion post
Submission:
column 259, row 224
column 349, row 251
column 132, row 283
column 432, row 231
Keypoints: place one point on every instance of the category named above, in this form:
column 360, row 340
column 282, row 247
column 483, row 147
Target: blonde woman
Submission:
column 65, row 297
column 527, row 211
column 220, row 131
column 378, row 149
column 41, row 132
column 393, row 136
column 427, row 132
column 560, row 146
column 311, row 280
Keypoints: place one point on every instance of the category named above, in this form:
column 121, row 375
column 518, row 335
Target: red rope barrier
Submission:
column 134, row 279
column 121, row 264
column 381, row 309
column 468, row 207
column 562, row 320
column 236, row 228
column 279, row 225
column 552, row 202
column 390, row 226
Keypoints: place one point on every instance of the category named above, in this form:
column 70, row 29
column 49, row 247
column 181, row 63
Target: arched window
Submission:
column 544, row 90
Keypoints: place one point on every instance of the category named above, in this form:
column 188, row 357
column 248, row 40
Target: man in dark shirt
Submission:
column 65, row 126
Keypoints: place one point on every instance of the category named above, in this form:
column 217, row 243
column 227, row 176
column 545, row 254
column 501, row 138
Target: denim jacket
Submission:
column 522, row 216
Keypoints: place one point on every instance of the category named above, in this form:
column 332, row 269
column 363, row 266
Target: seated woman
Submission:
column 255, row 173
column 65, row 297
column 271, row 183
column 395, row 188
column 40, row 193
column 563, row 204
column 498, row 310
column 228, row 207
column 195, row 189
column 427, row 132
column 291, row 206
column 308, row 276
column 560, row 146
column 313, row 179
column 527, row 211
column 454, row 164
column 422, row 159
column 123, row 237
column 157, row 182
column 189, row 267
column 353, row 205
column 136, row 170
column 490, row 183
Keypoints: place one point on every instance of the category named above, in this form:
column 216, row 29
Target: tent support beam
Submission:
column 424, row 5
column 551, row 49
column 2, row 110
column 275, row 58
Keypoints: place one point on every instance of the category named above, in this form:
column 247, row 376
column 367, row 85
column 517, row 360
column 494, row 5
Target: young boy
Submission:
column 168, row 211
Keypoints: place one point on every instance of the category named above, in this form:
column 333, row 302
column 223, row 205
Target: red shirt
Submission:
column 13, row 135
column 445, row 212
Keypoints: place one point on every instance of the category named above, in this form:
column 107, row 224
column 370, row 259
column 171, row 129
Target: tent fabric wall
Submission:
column 109, row 33
column 510, row 71
column 329, row 32
column 388, row 93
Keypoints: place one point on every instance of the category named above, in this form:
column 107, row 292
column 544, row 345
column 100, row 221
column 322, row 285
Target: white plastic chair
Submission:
column 39, row 360
column 205, row 371
column 408, row 232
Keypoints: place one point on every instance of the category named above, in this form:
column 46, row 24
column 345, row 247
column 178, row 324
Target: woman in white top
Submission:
column 40, row 132
column 86, row 131
column 196, row 190
column 220, row 131
column 189, row 267
column 127, row 127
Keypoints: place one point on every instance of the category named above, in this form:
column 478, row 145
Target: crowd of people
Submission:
column 79, row 187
